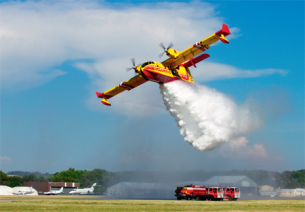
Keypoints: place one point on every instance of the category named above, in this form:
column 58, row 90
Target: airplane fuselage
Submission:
column 81, row 191
column 157, row 72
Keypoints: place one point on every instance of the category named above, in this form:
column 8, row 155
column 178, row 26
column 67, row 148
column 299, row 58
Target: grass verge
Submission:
column 152, row 205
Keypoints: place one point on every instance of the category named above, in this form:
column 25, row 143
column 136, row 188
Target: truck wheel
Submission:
column 178, row 198
column 197, row 198
column 188, row 198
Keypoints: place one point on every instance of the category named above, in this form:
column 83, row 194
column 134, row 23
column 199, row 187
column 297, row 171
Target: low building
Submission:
column 266, row 190
column 267, row 193
column 286, row 192
column 246, row 185
column 290, row 192
column 14, row 176
column 300, row 192
column 52, row 186
column 142, row 190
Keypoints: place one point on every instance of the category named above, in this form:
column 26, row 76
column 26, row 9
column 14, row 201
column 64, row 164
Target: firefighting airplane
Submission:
column 174, row 68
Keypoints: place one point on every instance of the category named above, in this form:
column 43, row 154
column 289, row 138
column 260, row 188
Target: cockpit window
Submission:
column 147, row 63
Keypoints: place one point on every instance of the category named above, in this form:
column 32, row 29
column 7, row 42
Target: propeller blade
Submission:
column 160, row 55
column 133, row 61
column 162, row 45
column 128, row 69
column 170, row 45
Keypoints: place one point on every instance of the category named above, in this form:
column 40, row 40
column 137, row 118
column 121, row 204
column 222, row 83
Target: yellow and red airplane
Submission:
column 174, row 68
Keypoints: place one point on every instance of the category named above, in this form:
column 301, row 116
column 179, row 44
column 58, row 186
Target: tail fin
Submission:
column 61, row 189
column 93, row 185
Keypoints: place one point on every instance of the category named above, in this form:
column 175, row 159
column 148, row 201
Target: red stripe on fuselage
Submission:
column 152, row 73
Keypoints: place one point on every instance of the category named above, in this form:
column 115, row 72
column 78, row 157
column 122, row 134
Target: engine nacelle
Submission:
column 172, row 53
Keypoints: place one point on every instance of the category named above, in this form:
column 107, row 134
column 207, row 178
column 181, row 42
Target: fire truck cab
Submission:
column 231, row 193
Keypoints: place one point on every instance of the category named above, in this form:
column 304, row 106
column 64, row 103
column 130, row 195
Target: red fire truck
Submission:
column 231, row 193
column 190, row 192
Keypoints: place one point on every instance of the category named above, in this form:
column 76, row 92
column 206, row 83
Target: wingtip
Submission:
column 105, row 102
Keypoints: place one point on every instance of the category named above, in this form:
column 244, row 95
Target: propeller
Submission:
column 133, row 61
column 165, row 49
column 134, row 67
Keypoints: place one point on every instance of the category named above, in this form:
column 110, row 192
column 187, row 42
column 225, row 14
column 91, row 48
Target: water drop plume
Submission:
column 207, row 117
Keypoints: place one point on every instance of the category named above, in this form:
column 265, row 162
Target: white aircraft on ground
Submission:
column 83, row 190
column 60, row 191
column 24, row 192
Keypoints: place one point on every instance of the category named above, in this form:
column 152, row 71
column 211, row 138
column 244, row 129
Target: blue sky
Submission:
column 56, row 55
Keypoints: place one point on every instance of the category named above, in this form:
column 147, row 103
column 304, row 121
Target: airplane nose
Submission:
column 147, row 73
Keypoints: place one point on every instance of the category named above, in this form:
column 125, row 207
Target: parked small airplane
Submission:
column 176, row 67
column 60, row 191
column 24, row 192
column 83, row 190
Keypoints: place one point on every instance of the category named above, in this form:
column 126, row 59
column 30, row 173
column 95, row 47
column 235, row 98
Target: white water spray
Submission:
column 206, row 117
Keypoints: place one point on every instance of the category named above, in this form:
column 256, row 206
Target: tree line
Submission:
column 105, row 179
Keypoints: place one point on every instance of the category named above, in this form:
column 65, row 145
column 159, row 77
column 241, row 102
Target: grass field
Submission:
column 74, row 204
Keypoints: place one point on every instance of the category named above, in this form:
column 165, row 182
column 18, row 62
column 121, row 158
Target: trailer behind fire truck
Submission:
column 190, row 192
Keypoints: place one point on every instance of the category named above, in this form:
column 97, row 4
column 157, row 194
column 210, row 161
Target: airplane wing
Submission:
column 127, row 85
column 198, row 47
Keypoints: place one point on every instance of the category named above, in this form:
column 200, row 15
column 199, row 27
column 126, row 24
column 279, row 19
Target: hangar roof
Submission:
column 5, row 190
column 239, row 181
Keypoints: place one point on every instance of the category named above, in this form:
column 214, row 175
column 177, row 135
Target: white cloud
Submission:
column 37, row 37
column 5, row 160
column 211, row 71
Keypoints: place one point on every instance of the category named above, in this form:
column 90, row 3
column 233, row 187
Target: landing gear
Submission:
column 174, row 72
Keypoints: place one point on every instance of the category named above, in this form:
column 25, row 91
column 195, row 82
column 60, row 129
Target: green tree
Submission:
column 97, row 176
column 15, row 181
column 30, row 178
column 4, row 179
column 70, row 175
column 33, row 178
column 103, row 178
